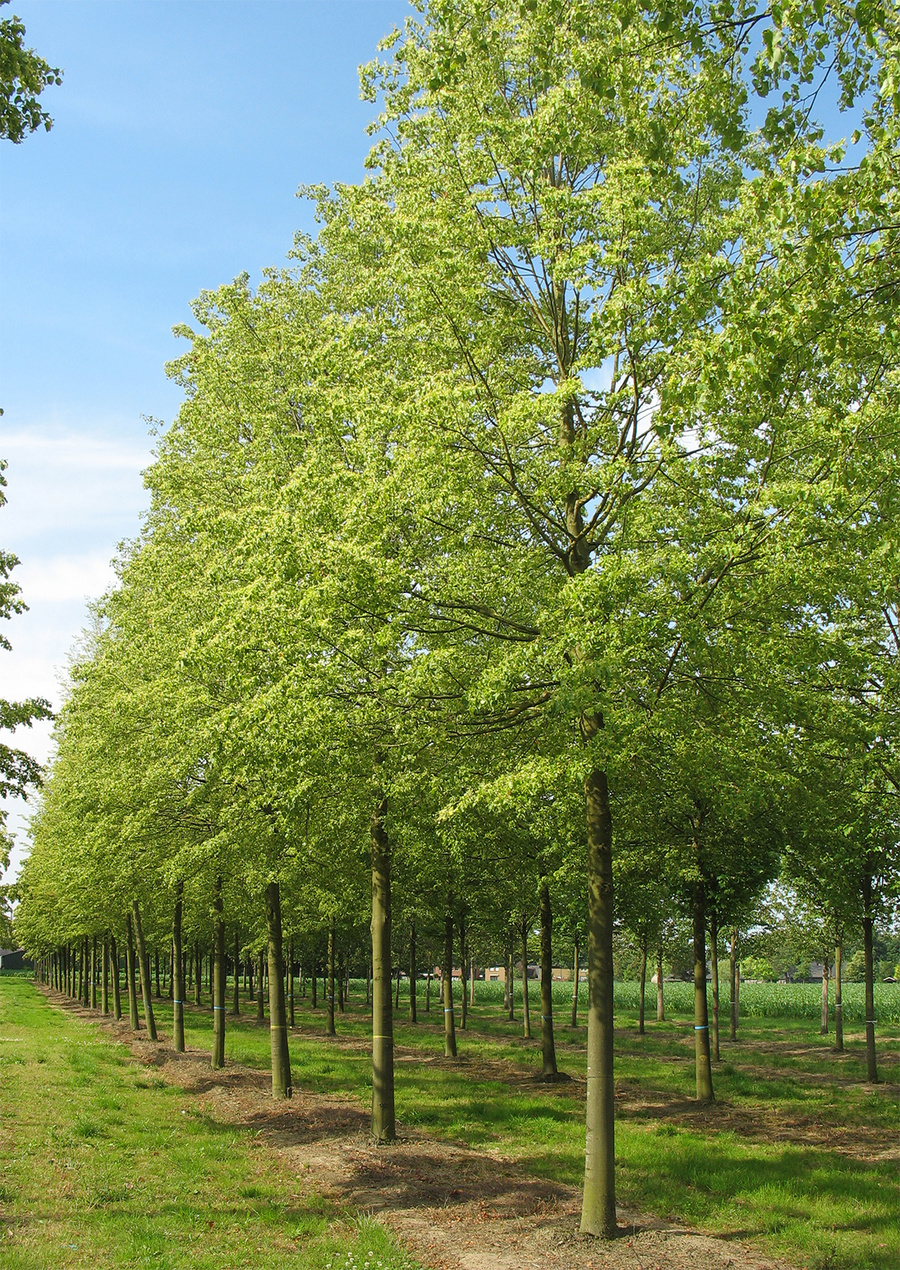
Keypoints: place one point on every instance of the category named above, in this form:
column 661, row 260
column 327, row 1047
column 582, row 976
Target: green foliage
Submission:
column 23, row 77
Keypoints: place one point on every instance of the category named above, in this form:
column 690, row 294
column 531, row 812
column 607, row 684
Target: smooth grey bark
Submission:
column 178, row 971
column 869, row 964
column 526, row 1004
column 133, row 1017
column 384, row 1126
column 838, row 995
column 94, row 972
column 281, row 1059
column 114, row 969
column 643, row 988
column 511, row 980
column 701, row 1009
column 823, row 1025
column 291, row 984
column 413, row 972
column 598, row 1212
column 144, row 962
column 714, row 966
column 733, row 973
column 463, row 973
column 660, row 993
column 104, row 977
column 549, row 1070
column 217, row 1058
column 260, row 978
column 576, row 972
column 447, row 989
column 236, row 995
column 329, row 992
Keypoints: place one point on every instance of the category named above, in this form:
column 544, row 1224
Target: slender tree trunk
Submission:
column 130, row 974
column 281, row 1059
column 260, row 977
column 447, row 987
column 733, row 973
column 714, row 964
column 463, row 973
column 660, row 991
column 413, row 973
column 511, row 980
column 198, row 975
column 598, row 1212
column 329, row 995
column 236, row 995
column 549, row 1069
column 156, row 975
column 869, row 962
column 340, row 983
column 428, row 990
column 104, row 994
column 85, row 974
column 291, row 985
column 368, row 981
column 94, row 972
column 576, row 971
column 471, row 979
column 218, row 960
column 823, row 1026
column 114, row 968
column 526, row 1004
column 314, row 1002
column 144, row 961
column 384, row 1126
column 701, row 1012
column 642, row 1000
column 838, row 998
column 178, row 971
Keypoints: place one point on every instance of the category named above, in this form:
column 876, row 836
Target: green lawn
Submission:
column 104, row 1166
column 786, row 1159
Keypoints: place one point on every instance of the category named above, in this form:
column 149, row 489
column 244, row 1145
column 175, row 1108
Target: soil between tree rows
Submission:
column 451, row 1207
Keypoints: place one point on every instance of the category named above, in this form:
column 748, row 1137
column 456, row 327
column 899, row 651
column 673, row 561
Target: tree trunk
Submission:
column 158, row 994
column 714, row 965
column 447, row 986
column 733, row 971
column 94, row 972
column 823, row 1026
column 114, row 969
column 104, row 977
column 218, row 1046
column 198, row 975
column 384, row 1126
column 598, row 1212
column 511, row 980
column 413, row 972
column 291, row 985
column 178, row 971
column 281, row 1059
column 144, row 960
column 260, row 977
column 526, row 1004
column 701, row 1012
column 85, row 974
column 463, row 973
column 838, row 1000
column 643, row 991
column 471, row 979
column 660, row 991
column 428, row 989
column 340, row 982
column 871, row 1064
column 549, row 1069
column 314, row 1001
column 236, row 995
column 329, row 994
column 576, row 971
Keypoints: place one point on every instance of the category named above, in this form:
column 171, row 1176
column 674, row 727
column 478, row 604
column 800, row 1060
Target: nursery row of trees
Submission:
column 528, row 547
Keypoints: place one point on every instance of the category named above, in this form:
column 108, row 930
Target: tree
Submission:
column 23, row 77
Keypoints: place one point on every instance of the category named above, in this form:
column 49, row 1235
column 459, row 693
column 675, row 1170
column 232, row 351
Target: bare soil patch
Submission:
column 453, row 1208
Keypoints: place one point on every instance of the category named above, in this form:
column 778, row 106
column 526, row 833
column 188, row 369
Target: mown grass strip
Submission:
column 813, row 1205
column 104, row 1166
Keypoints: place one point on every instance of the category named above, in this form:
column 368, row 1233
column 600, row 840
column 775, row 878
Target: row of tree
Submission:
column 534, row 532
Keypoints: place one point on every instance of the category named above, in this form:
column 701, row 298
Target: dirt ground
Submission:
column 454, row 1208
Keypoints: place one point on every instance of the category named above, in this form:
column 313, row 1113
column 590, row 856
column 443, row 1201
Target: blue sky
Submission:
column 182, row 131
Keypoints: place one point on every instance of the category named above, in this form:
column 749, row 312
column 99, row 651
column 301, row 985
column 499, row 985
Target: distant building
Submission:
column 14, row 959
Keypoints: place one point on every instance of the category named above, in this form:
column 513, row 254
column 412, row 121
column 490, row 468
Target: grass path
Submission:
column 104, row 1165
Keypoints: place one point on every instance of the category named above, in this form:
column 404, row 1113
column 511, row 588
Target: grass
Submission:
column 758, row 1166
column 104, row 1166
column 741, row 1169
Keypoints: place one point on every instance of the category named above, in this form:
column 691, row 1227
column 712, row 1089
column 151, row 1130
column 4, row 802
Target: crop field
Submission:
column 797, row 1158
